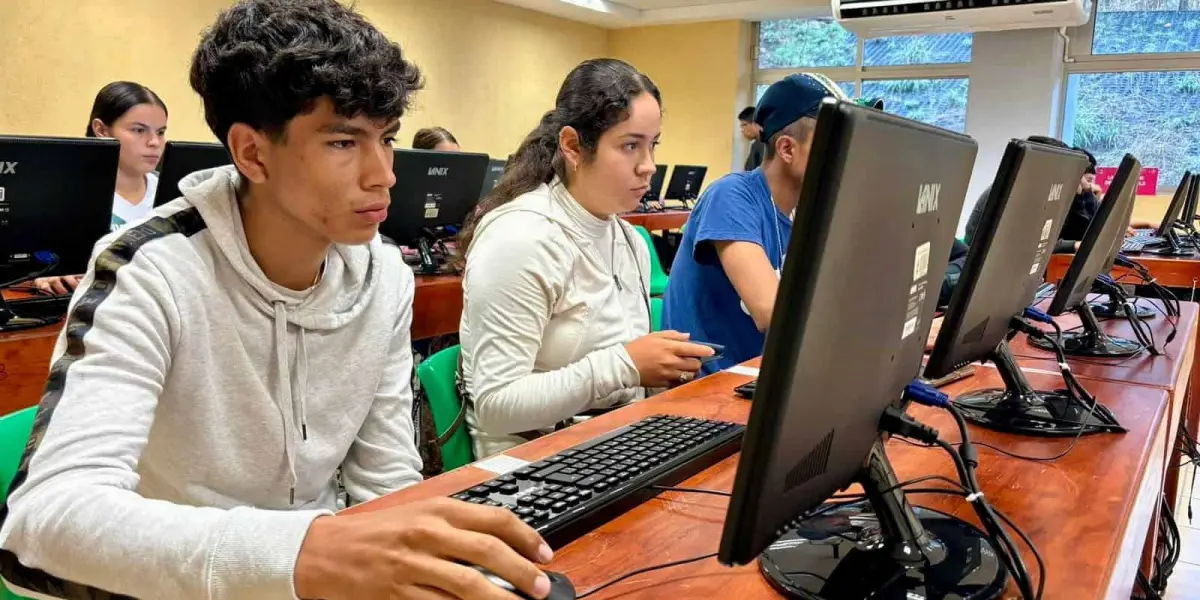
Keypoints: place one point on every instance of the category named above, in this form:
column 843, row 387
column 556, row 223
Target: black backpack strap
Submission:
column 463, row 398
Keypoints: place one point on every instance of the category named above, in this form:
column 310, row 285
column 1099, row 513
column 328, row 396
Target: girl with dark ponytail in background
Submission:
column 556, row 309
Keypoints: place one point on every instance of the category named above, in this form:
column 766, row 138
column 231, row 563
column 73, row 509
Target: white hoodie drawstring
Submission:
column 287, row 408
column 302, row 377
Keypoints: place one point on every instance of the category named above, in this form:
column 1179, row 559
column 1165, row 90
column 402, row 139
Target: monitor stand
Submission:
column 1020, row 409
column 1172, row 246
column 882, row 547
column 1092, row 341
column 1115, row 310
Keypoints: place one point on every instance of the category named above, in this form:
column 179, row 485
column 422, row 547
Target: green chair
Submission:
column 658, row 277
column 14, row 434
column 656, row 307
column 437, row 376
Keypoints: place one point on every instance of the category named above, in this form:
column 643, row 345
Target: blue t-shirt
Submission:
column 700, row 299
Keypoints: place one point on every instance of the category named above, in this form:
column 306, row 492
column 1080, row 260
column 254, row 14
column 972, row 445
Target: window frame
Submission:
column 859, row 73
column 1079, row 57
column 1079, row 60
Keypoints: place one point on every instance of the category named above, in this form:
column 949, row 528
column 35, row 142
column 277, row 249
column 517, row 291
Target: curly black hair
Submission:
column 266, row 61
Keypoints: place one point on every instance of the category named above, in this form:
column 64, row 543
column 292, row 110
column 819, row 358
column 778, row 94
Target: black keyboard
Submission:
column 567, row 495
column 40, row 307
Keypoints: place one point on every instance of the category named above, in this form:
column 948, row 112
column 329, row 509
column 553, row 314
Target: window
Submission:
column 1146, row 27
column 1153, row 115
column 805, row 43
column 923, row 77
column 940, row 102
column 933, row 49
column 760, row 89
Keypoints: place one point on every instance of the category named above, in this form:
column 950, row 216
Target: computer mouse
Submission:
column 561, row 588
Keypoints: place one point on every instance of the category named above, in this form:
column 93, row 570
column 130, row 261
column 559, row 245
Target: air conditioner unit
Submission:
column 893, row 17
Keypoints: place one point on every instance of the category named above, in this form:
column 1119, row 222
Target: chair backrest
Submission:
column 14, row 435
column 437, row 375
column 658, row 277
column 656, row 308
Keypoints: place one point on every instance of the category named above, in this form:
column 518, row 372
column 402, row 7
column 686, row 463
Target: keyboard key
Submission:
column 543, row 473
column 584, row 494
column 526, row 501
column 589, row 481
column 523, row 473
column 573, row 500
column 601, row 487
column 462, row 496
column 479, row 490
column 543, row 503
column 524, row 511
column 509, row 488
column 557, row 496
column 561, row 478
column 559, row 506
column 541, row 515
column 477, row 500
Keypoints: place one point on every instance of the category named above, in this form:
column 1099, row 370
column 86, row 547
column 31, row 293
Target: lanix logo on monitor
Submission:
column 1056, row 191
column 439, row 171
column 927, row 199
column 8, row 168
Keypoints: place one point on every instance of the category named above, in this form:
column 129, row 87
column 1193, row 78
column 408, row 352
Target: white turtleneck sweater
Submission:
column 551, row 294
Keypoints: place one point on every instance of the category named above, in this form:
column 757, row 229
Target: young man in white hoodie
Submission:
column 241, row 346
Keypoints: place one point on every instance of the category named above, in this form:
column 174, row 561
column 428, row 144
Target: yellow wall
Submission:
column 56, row 54
column 699, row 68
column 492, row 69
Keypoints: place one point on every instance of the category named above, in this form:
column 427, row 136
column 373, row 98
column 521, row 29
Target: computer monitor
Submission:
column 1171, row 217
column 846, row 338
column 654, row 194
column 1028, row 203
column 433, row 189
column 1187, row 220
column 56, row 199
column 181, row 159
column 495, row 169
column 685, row 183
column 1097, row 252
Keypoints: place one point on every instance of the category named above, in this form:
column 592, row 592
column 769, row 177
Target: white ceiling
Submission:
column 652, row 4
column 634, row 13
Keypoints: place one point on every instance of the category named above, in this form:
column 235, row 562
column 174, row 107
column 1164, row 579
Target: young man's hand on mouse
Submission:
column 421, row 550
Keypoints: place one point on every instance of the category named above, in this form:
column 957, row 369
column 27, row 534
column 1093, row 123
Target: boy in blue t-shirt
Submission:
column 726, row 274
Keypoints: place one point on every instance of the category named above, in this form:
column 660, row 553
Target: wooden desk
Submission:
column 24, row 364
column 437, row 305
column 1088, row 513
column 1170, row 271
column 25, row 355
column 656, row 221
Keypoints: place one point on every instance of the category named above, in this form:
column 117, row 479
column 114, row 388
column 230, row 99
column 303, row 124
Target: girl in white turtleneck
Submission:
column 556, row 306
